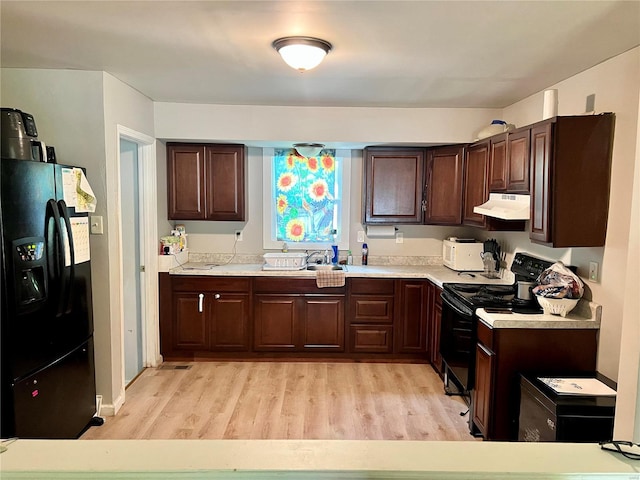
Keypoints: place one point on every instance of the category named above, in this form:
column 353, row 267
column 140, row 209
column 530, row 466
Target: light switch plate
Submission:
column 95, row 223
column 360, row 236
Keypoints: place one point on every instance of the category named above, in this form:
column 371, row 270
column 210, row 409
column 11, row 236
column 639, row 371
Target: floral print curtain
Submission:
column 306, row 196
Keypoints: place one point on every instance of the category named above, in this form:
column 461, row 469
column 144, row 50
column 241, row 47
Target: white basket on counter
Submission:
column 284, row 261
column 557, row 306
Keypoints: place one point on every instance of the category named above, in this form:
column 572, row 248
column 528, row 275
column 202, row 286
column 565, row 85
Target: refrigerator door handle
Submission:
column 69, row 273
column 55, row 253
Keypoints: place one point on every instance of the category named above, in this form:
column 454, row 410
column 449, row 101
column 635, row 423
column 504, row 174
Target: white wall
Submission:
column 628, row 404
column 334, row 126
column 129, row 108
column 77, row 112
column 615, row 85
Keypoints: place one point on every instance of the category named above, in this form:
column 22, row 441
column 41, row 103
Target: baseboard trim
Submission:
column 111, row 409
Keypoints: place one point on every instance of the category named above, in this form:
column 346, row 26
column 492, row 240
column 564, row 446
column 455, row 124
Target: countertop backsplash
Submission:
column 223, row 258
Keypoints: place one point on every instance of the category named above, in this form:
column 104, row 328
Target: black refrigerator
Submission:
column 48, row 376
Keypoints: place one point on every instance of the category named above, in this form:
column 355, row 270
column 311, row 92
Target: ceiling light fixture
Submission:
column 302, row 53
column 308, row 150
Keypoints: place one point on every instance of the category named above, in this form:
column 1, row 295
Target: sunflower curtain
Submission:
column 305, row 195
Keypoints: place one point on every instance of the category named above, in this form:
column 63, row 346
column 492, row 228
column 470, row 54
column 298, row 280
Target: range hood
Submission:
column 505, row 206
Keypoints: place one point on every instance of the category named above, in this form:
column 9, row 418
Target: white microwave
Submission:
column 463, row 256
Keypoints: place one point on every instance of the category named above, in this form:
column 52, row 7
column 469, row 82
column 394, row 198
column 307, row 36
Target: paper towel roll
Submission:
column 550, row 108
column 381, row 231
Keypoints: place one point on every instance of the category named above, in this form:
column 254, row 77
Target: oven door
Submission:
column 457, row 343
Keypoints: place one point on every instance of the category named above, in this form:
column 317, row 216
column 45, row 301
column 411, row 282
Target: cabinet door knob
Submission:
column 200, row 299
column 216, row 296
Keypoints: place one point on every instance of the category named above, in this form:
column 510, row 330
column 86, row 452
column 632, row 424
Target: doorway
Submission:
column 144, row 337
column 132, row 265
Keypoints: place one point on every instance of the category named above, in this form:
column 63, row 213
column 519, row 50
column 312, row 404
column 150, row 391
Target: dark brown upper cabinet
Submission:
column 443, row 186
column 517, row 164
column 476, row 191
column 570, row 180
column 206, row 181
column 509, row 162
column 498, row 163
column 393, row 180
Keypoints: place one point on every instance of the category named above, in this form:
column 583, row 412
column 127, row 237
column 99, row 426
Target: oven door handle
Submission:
column 455, row 308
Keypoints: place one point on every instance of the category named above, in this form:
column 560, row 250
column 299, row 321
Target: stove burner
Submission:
column 486, row 298
column 467, row 287
column 499, row 289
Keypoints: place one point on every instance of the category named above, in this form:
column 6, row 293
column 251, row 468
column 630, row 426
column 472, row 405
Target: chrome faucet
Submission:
column 326, row 257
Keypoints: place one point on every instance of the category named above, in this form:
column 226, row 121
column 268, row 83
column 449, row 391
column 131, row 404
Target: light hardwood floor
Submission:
column 287, row 400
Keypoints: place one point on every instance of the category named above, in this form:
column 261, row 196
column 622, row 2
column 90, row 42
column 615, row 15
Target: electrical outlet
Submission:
column 360, row 236
column 239, row 235
column 399, row 237
column 593, row 271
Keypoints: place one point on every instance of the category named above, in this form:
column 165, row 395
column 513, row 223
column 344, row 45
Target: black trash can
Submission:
column 549, row 416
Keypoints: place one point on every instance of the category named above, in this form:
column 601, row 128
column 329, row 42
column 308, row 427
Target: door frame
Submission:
column 148, row 198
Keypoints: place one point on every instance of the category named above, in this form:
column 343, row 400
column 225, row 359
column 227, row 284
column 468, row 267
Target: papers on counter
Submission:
column 578, row 386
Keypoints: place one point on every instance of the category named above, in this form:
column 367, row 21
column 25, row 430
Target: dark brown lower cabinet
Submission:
column 203, row 314
column 275, row 320
column 411, row 321
column 433, row 327
column 322, row 323
column 229, row 326
column 371, row 315
column 238, row 317
column 502, row 354
column 294, row 315
column 485, row 361
column 298, row 323
column 191, row 319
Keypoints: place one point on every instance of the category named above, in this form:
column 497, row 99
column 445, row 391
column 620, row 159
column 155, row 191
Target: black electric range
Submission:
column 458, row 333
column 470, row 296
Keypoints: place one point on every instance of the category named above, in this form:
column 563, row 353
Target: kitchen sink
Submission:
column 324, row 267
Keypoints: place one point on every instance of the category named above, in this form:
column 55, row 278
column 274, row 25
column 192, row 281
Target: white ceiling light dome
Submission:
column 302, row 53
column 308, row 150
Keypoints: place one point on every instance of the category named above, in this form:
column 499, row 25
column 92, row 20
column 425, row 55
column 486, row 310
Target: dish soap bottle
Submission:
column 349, row 258
column 365, row 254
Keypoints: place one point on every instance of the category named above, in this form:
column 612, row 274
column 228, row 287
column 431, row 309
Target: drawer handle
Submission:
column 200, row 299
column 216, row 296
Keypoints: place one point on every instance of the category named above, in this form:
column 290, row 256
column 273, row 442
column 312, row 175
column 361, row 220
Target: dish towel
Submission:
column 330, row 278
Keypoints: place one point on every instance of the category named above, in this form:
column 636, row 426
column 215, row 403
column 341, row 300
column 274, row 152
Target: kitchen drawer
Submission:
column 369, row 286
column 209, row 284
column 485, row 335
column 370, row 338
column 371, row 309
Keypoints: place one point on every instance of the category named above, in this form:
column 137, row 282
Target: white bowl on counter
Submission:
column 557, row 306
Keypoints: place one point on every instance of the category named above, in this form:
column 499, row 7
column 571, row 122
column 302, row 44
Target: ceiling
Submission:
column 386, row 53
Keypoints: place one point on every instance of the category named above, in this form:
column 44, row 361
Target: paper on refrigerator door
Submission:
column 69, row 187
column 76, row 190
column 80, row 232
column 86, row 200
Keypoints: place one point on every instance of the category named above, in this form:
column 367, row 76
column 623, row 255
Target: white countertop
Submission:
column 308, row 459
column 438, row 274
column 585, row 315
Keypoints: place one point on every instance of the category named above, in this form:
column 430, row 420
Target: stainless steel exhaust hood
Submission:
column 505, row 206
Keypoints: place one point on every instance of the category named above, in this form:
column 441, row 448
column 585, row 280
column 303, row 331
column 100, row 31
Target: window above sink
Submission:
column 304, row 199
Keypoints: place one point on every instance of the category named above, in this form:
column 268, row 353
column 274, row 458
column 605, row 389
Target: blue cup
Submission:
column 334, row 260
